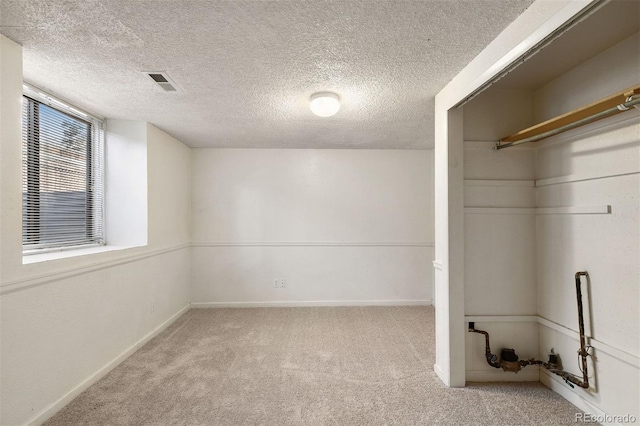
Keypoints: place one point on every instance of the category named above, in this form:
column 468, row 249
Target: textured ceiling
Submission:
column 246, row 69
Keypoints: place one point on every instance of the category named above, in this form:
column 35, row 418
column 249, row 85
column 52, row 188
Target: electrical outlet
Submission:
column 283, row 283
column 279, row 283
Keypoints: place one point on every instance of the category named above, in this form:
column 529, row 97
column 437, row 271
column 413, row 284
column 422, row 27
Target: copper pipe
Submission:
column 492, row 359
column 583, row 353
column 516, row 365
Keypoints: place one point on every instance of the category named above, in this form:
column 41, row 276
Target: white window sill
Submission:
column 64, row 254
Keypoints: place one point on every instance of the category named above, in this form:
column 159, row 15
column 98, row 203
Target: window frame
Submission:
column 95, row 169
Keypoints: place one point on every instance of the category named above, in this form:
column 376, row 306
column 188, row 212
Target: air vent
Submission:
column 162, row 80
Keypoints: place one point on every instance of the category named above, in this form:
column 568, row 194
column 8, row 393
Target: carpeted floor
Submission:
column 302, row 366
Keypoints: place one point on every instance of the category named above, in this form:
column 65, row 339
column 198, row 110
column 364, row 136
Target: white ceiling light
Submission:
column 325, row 104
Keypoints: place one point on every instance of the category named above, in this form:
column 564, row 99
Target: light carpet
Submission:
column 302, row 366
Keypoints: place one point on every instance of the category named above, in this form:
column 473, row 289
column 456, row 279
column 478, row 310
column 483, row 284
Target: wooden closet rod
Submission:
column 611, row 105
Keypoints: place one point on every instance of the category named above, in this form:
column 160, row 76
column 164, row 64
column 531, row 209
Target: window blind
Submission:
column 62, row 175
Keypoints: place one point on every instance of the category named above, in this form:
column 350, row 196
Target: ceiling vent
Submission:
column 162, row 80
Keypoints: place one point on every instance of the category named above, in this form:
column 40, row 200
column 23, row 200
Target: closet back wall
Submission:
column 341, row 227
column 594, row 165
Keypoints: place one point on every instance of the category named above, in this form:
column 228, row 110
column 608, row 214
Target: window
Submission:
column 62, row 175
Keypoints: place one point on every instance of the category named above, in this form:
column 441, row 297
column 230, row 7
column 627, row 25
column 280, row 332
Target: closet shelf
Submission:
column 606, row 107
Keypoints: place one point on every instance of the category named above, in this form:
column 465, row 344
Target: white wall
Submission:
column 67, row 321
column 596, row 165
column 11, row 150
column 169, row 189
column 341, row 226
column 499, row 233
column 126, row 213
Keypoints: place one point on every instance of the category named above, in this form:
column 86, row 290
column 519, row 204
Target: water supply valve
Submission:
column 509, row 360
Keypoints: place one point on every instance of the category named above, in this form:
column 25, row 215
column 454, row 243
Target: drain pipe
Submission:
column 508, row 360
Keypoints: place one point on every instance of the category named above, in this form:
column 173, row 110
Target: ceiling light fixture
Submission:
column 325, row 104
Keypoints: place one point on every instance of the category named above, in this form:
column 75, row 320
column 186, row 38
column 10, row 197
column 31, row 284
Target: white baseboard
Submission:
column 557, row 385
column 304, row 303
column 441, row 374
column 52, row 409
column 528, row 374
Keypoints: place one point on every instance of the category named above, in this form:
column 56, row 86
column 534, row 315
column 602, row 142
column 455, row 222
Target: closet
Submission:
column 536, row 213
